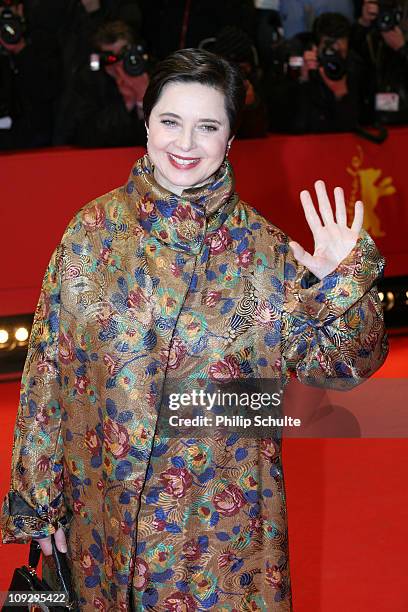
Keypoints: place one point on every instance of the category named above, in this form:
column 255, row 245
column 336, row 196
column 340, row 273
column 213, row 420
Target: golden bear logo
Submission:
column 365, row 187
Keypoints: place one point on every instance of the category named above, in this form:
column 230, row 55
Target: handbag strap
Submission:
column 63, row 571
column 61, row 567
column 34, row 554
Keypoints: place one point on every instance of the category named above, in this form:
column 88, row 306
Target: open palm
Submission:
column 333, row 239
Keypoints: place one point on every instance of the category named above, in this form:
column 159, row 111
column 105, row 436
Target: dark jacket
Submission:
column 29, row 86
column 96, row 115
column 318, row 110
column 75, row 34
column 387, row 71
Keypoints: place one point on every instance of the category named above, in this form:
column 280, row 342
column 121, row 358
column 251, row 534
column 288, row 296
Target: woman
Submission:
column 173, row 275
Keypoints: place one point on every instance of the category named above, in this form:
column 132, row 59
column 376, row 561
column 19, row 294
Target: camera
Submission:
column 333, row 64
column 134, row 60
column 11, row 27
column 389, row 17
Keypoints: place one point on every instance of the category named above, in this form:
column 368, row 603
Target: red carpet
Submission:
column 348, row 514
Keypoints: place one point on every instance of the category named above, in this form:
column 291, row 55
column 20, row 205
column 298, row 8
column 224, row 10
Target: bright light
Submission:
column 389, row 301
column 381, row 295
column 21, row 334
column 3, row 336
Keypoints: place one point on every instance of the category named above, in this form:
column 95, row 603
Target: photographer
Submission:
column 330, row 95
column 105, row 109
column 379, row 39
column 81, row 21
column 29, row 81
column 237, row 47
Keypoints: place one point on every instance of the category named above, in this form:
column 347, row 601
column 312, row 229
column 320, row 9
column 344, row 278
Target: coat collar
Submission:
column 182, row 222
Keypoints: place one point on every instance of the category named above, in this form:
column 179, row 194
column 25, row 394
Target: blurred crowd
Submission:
column 74, row 72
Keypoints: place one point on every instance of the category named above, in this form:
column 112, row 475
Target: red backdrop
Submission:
column 42, row 190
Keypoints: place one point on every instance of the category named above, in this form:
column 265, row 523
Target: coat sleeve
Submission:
column 333, row 331
column 34, row 506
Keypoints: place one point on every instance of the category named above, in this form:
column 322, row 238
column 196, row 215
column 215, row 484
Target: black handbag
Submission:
column 25, row 579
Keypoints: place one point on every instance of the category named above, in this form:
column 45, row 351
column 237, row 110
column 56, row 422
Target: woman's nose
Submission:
column 185, row 139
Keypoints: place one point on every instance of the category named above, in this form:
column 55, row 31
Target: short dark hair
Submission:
column 111, row 31
column 333, row 25
column 198, row 66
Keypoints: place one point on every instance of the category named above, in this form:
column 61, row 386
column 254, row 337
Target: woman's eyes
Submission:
column 204, row 127
column 168, row 122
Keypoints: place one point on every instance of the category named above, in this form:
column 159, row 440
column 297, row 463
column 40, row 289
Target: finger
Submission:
column 297, row 250
column 311, row 215
column 60, row 541
column 324, row 202
column 302, row 256
column 358, row 217
column 386, row 181
column 45, row 544
column 341, row 214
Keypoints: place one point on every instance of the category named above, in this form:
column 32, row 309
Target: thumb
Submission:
column 297, row 250
column 45, row 545
column 304, row 258
column 60, row 541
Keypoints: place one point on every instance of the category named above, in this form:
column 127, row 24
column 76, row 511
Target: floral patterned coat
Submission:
column 143, row 284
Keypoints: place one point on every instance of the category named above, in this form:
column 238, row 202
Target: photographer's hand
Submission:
column 60, row 542
column 310, row 62
column 394, row 38
column 333, row 239
column 15, row 49
column 250, row 93
column 128, row 96
column 339, row 88
column 132, row 88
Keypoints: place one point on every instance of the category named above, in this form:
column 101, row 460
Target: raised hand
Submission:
column 394, row 38
column 310, row 62
column 333, row 239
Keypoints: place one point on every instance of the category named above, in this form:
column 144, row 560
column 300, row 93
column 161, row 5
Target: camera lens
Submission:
column 333, row 64
column 388, row 18
column 134, row 62
column 11, row 27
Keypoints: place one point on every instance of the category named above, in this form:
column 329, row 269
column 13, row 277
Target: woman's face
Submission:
column 188, row 135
